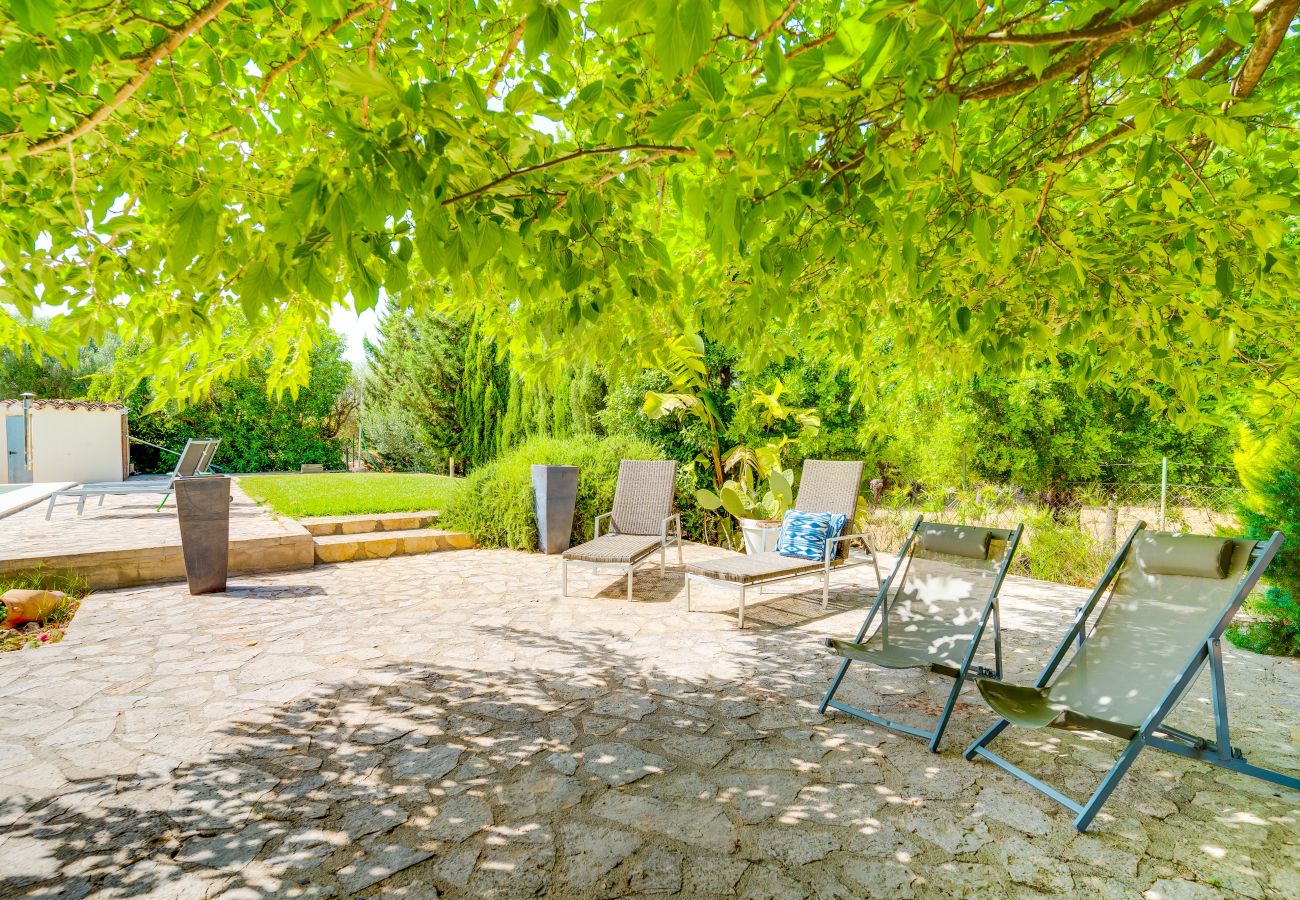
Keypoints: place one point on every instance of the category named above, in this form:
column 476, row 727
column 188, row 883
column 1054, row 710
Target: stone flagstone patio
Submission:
column 447, row 725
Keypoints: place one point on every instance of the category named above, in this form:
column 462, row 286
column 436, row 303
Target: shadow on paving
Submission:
column 595, row 770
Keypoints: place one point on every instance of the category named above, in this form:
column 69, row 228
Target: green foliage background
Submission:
column 1270, row 470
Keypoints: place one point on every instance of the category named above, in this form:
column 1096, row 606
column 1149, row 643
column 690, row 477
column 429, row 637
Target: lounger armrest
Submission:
column 663, row 528
column 595, row 528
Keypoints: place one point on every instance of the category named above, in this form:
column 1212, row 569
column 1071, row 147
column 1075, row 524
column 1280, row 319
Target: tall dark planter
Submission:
column 203, row 504
column 555, row 491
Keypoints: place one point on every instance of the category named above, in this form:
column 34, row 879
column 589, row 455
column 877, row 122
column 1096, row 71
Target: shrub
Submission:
column 1270, row 472
column 496, row 504
column 1052, row 550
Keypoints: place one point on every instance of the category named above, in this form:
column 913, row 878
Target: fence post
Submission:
column 1164, row 489
column 1112, row 520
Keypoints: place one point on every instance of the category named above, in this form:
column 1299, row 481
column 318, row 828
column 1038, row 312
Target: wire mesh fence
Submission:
column 1070, row 532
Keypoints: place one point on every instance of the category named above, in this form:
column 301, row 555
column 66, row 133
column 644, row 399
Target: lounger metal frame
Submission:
column 991, row 612
column 824, row 572
column 628, row 567
column 1153, row 732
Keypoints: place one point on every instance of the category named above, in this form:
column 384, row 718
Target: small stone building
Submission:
column 62, row 440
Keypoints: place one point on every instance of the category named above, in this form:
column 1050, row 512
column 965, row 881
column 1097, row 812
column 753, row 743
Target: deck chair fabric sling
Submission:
column 187, row 464
column 825, row 486
column 637, row 525
column 205, row 461
column 932, row 613
column 1167, row 600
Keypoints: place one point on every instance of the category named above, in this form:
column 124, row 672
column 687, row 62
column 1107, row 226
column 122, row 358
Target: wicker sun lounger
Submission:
column 826, row 487
column 637, row 525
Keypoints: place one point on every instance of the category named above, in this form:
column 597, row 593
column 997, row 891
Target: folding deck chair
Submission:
column 1170, row 599
column 638, row 523
column 824, row 487
column 945, row 591
column 194, row 458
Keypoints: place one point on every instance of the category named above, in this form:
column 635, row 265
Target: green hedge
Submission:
column 496, row 504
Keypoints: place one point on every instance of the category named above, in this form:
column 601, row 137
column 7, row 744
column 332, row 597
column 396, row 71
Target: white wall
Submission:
column 77, row 445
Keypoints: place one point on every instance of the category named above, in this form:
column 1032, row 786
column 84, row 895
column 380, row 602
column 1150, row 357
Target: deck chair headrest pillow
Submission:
column 1197, row 555
column 956, row 540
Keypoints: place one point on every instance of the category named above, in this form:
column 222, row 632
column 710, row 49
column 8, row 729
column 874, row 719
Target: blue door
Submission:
column 16, row 440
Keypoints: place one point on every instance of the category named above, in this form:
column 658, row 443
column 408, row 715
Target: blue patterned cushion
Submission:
column 804, row 535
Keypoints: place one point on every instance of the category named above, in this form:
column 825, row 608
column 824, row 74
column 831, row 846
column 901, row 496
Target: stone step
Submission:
column 333, row 548
column 319, row 526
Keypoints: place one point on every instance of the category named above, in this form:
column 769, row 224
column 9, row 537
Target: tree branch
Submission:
column 143, row 69
column 1069, row 65
column 1116, row 29
column 776, row 23
column 329, row 31
column 1269, row 35
column 515, row 37
column 668, row 149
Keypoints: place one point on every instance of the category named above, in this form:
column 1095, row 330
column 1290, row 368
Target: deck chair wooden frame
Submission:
column 1152, row 731
column 861, row 648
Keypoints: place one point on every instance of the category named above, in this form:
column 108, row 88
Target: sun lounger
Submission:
column 825, row 487
column 1168, row 600
column 944, row 595
column 192, row 456
column 637, row 525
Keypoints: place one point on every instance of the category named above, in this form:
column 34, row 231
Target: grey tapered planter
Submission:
column 555, row 491
column 203, row 505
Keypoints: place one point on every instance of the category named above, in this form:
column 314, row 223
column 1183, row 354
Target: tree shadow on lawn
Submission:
column 597, row 769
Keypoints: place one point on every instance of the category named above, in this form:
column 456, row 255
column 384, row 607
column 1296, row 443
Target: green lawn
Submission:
column 348, row 493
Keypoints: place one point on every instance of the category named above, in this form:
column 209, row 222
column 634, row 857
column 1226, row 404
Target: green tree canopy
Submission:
column 976, row 185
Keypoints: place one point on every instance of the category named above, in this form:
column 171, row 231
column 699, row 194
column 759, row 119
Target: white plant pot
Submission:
column 760, row 535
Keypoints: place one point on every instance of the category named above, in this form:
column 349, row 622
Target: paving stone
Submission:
column 796, row 846
column 1025, row 863
column 378, row 862
column 229, row 851
column 590, row 852
column 766, row 882
column 457, row 818
column 619, row 764
column 953, row 837
column 960, row 879
column 564, row 763
column 304, row 849
column 702, row 751
column 513, row 870
column 659, row 873
column 1009, row 810
column 424, row 763
column 738, row 709
column 541, row 793
column 624, row 706
column 504, row 711
column 707, row 874
column 456, row 867
column 699, row 824
column 372, row 818
column 756, row 798
column 879, row 877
